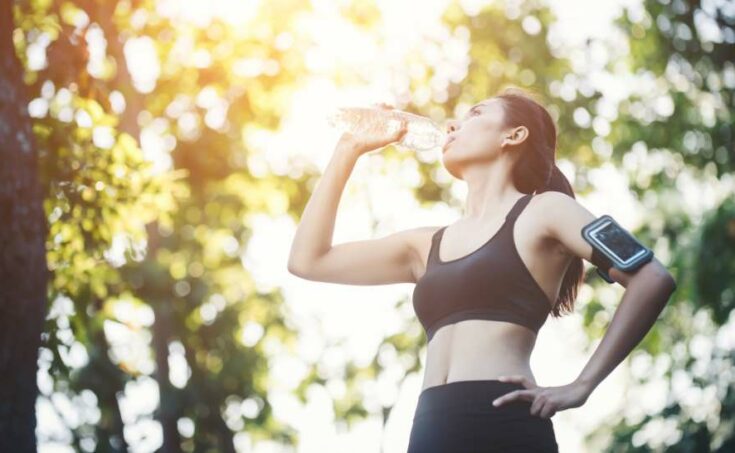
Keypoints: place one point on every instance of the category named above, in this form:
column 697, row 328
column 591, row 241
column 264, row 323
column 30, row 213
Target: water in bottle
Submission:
column 423, row 134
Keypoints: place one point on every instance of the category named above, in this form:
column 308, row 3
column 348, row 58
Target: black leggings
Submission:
column 459, row 417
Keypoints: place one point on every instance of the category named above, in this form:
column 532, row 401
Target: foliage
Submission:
column 686, row 50
column 151, row 197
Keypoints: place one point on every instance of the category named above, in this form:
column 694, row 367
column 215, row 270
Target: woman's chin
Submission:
column 451, row 165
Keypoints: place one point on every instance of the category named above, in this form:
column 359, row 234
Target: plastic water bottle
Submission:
column 423, row 133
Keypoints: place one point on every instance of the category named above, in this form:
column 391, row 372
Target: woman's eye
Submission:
column 472, row 112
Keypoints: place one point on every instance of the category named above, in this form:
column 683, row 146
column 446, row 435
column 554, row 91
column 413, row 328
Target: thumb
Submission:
column 383, row 105
column 403, row 128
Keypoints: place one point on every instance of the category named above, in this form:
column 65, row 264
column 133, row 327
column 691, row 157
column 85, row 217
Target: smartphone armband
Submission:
column 613, row 246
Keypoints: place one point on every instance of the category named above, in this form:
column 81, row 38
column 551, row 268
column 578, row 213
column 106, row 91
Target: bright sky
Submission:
column 360, row 315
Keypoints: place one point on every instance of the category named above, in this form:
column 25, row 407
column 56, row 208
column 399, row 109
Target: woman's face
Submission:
column 477, row 137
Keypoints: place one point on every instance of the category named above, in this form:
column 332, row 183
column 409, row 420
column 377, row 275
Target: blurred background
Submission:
column 179, row 140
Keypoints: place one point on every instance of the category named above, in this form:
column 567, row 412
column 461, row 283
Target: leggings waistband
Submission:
column 467, row 394
column 460, row 416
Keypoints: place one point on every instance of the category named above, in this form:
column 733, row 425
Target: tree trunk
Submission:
column 169, row 407
column 23, row 270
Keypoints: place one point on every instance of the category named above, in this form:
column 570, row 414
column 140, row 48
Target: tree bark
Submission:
column 24, row 273
column 169, row 407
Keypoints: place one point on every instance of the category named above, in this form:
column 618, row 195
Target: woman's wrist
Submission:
column 348, row 145
column 345, row 156
column 585, row 383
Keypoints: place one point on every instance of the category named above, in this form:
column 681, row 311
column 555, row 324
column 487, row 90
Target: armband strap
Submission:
column 600, row 260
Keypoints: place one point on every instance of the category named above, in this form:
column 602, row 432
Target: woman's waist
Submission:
column 442, row 367
column 473, row 372
column 446, row 369
column 440, row 375
column 486, row 322
column 486, row 338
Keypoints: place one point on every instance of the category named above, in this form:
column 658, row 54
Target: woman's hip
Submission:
column 459, row 416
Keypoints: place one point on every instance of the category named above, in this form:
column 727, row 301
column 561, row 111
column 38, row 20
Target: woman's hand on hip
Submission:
column 545, row 401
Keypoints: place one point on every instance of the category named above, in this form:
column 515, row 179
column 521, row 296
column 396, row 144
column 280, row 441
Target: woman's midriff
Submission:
column 478, row 349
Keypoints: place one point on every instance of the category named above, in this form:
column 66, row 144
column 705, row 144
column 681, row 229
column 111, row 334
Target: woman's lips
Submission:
column 446, row 144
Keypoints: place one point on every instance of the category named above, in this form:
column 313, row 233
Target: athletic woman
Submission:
column 486, row 283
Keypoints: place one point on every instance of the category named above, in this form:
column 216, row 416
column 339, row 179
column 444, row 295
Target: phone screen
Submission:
column 618, row 242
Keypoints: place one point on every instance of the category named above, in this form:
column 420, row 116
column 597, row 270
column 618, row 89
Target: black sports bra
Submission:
column 491, row 282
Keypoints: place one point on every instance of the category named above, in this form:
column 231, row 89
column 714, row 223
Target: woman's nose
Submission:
column 451, row 126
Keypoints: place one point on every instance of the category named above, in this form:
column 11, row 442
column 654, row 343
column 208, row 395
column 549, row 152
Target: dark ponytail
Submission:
column 535, row 170
column 558, row 182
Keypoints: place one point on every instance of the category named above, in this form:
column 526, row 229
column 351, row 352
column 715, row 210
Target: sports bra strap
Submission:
column 518, row 207
column 432, row 249
column 510, row 217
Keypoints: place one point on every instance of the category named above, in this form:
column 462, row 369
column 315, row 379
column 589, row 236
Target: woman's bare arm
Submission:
column 390, row 259
column 647, row 289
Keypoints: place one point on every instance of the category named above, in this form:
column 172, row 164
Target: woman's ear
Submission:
column 518, row 134
column 515, row 136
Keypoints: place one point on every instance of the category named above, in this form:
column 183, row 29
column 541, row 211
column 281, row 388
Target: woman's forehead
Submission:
column 491, row 103
column 488, row 105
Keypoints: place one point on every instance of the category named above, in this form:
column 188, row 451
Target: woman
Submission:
column 486, row 283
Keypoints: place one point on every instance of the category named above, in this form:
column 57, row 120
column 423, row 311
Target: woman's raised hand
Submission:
column 374, row 137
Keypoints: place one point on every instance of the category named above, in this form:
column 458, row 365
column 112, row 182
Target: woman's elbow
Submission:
column 671, row 282
column 665, row 280
column 654, row 275
column 298, row 270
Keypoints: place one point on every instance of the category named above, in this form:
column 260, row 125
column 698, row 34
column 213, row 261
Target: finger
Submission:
column 537, row 404
column 548, row 409
column 527, row 395
column 511, row 378
column 404, row 127
column 400, row 130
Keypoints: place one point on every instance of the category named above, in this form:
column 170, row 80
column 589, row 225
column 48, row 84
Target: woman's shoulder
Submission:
column 421, row 237
column 561, row 217
column 553, row 202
